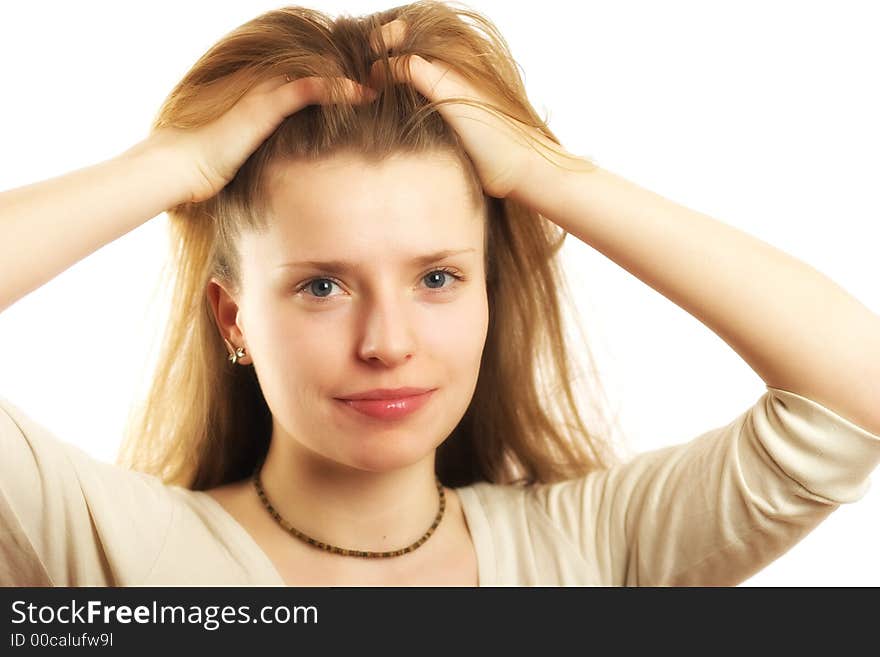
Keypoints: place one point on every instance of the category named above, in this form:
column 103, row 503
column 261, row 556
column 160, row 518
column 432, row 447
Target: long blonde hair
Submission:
column 204, row 421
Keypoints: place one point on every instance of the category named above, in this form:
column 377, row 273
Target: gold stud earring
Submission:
column 237, row 352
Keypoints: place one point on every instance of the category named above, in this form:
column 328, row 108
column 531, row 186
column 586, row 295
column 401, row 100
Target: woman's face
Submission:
column 317, row 333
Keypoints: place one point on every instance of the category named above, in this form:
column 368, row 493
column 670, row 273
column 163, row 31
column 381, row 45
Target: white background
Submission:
column 760, row 114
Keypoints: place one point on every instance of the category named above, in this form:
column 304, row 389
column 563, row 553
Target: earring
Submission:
column 236, row 354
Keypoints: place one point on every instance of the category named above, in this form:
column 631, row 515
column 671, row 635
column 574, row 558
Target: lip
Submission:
column 389, row 409
column 387, row 393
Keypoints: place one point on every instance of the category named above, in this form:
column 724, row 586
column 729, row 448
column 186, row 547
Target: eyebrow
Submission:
column 343, row 266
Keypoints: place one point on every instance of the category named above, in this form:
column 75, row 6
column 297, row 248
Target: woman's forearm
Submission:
column 51, row 225
column 795, row 327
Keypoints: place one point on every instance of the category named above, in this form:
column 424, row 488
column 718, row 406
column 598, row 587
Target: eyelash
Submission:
column 446, row 270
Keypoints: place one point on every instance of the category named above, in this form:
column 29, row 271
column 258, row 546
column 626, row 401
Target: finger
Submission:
column 391, row 34
column 404, row 69
column 353, row 92
column 274, row 83
column 316, row 91
column 431, row 79
column 271, row 84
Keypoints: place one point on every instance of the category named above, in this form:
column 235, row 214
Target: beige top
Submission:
column 711, row 511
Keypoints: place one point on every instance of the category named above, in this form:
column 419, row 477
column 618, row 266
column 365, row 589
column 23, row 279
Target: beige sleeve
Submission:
column 716, row 510
column 67, row 519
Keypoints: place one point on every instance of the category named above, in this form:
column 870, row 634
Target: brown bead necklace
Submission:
column 344, row 551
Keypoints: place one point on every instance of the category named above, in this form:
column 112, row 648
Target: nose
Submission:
column 387, row 334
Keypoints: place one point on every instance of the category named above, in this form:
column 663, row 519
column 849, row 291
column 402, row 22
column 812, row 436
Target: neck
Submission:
column 348, row 507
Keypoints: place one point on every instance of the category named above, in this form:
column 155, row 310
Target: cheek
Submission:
column 457, row 334
column 296, row 352
column 455, row 347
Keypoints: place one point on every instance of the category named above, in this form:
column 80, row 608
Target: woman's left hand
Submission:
column 501, row 156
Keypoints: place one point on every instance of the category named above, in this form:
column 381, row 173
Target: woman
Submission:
column 253, row 463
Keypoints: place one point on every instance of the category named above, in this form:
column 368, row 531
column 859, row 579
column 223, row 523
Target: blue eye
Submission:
column 317, row 286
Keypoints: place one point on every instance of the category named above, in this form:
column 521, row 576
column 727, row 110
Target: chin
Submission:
column 387, row 457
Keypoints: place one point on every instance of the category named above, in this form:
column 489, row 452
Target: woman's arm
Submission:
column 49, row 226
column 796, row 328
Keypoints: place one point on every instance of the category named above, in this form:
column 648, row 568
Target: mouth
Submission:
column 388, row 409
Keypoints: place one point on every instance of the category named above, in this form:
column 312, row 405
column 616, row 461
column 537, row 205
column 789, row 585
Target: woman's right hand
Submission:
column 212, row 154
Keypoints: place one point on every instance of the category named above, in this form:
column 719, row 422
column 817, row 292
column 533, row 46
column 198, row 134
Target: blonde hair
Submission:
column 204, row 421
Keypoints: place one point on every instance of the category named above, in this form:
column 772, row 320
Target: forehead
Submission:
column 346, row 207
column 344, row 183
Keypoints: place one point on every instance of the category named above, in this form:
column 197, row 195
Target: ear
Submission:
column 225, row 309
